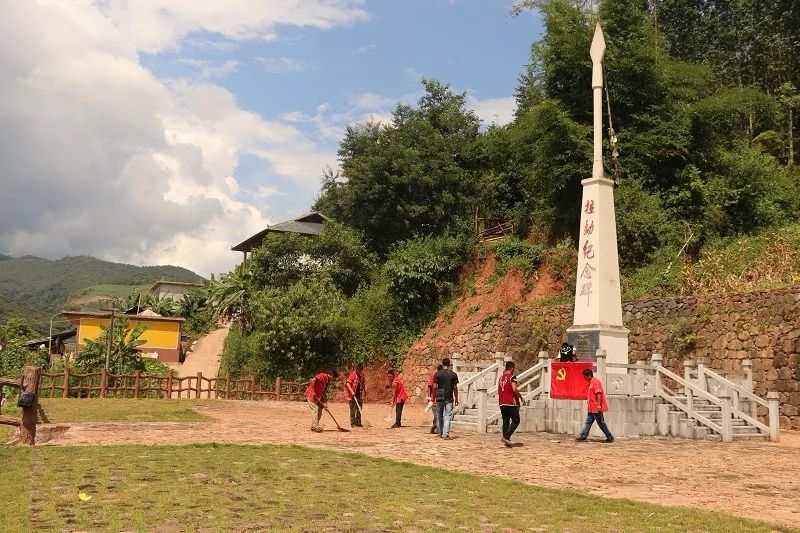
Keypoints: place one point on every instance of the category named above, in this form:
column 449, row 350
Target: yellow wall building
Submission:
column 162, row 335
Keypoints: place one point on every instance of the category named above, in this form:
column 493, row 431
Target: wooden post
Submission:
column 199, row 384
column 65, row 390
column 168, row 392
column 277, row 389
column 227, row 386
column 30, row 383
column 253, row 388
column 103, row 382
column 137, row 377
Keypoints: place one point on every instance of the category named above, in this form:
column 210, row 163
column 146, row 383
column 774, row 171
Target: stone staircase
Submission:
column 681, row 425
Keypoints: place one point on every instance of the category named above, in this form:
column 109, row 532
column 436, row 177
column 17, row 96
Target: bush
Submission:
column 421, row 272
column 513, row 253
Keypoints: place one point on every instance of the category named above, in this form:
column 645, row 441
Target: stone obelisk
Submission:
column 598, row 303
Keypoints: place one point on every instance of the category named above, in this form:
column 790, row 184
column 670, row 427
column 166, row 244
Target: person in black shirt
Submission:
column 567, row 353
column 445, row 384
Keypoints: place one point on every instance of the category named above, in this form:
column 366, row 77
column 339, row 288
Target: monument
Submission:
column 597, row 321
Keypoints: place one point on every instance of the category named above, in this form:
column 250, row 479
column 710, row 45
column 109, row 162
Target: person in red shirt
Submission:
column 597, row 406
column 399, row 395
column 355, row 389
column 431, row 399
column 316, row 395
column 510, row 400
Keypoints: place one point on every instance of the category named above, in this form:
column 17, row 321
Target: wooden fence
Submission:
column 138, row 385
column 27, row 423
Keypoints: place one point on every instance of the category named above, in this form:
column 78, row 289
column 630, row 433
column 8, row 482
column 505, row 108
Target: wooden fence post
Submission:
column 277, row 388
column 137, row 376
column 199, row 384
column 253, row 388
column 168, row 392
column 30, row 383
column 65, row 390
column 103, row 382
column 227, row 386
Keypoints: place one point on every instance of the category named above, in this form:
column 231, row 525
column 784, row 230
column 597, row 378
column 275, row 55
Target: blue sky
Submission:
column 475, row 45
column 186, row 127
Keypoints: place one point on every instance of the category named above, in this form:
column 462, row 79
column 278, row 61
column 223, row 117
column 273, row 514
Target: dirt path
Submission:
column 205, row 356
column 752, row 479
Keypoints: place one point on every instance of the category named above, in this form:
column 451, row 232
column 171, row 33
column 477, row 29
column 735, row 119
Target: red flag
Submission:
column 567, row 381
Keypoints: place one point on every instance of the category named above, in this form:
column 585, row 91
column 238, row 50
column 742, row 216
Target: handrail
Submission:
column 740, row 392
column 477, row 376
column 535, row 369
column 738, row 388
column 631, row 367
column 701, row 393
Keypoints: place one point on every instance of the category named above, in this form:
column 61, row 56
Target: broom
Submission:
column 340, row 428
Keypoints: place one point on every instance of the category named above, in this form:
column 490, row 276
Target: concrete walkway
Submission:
column 205, row 357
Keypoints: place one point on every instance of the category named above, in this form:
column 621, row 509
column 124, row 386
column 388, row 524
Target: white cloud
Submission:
column 205, row 44
column 364, row 49
column 157, row 25
column 280, row 65
column 268, row 191
column 372, row 101
column 209, row 69
column 100, row 157
column 498, row 111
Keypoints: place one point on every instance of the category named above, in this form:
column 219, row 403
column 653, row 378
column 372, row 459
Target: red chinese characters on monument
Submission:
column 588, row 253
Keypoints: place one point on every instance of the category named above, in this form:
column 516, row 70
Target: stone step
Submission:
column 718, row 419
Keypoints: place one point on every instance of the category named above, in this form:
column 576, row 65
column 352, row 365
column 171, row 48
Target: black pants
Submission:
column 398, row 413
column 355, row 414
column 510, row 419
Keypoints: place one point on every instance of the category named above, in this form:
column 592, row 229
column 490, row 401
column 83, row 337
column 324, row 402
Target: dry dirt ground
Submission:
column 205, row 357
column 753, row 479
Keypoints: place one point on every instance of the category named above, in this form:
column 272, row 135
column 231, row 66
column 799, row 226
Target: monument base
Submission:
column 588, row 339
column 627, row 417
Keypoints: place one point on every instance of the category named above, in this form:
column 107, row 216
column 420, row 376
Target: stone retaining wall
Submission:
column 763, row 326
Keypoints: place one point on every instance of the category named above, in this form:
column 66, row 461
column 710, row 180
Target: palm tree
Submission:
column 229, row 298
column 163, row 305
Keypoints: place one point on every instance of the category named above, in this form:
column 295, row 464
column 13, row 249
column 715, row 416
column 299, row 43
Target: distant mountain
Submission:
column 4, row 257
column 35, row 287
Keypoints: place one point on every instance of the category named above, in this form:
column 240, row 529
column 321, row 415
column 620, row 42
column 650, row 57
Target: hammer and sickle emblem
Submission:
column 561, row 375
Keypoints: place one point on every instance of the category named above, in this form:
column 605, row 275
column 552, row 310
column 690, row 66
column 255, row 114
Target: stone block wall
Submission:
column 763, row 326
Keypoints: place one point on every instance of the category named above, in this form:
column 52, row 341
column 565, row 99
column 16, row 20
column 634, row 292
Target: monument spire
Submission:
column 597, row 319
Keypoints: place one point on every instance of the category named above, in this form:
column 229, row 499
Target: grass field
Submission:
column 256, row 488
column 58, row 410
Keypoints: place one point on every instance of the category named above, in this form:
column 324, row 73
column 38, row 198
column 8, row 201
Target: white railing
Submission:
column 736, row 392
column 525, row 381
column 468, row 389
column 724, row 428
column 729, row 405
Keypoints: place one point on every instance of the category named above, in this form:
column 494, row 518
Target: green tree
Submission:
column 229, row 298
column 124, row 357
column 413, row 177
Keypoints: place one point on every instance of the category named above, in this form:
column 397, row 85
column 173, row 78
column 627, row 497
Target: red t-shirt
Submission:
column 400, row 394
column 505, row 389
column 431, row 383
column 596, row 386
column 316, row 390
column 356, row 381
